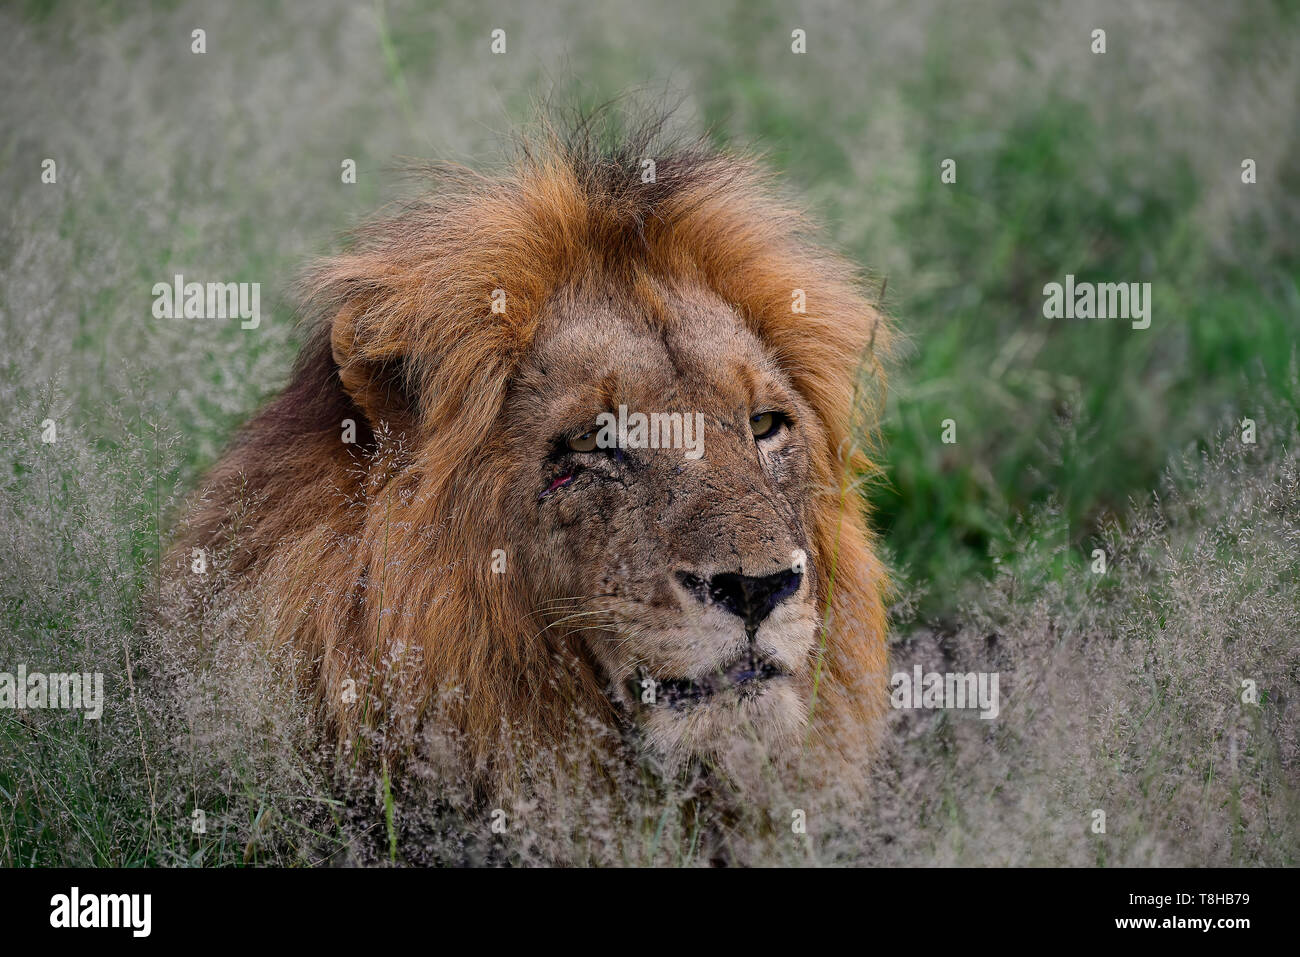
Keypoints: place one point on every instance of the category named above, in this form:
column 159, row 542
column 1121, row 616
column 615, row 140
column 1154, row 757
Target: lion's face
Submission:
column 689, row 567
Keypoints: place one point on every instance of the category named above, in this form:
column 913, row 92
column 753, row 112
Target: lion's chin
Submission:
column 766, row 714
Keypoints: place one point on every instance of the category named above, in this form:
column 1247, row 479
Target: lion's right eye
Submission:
column 765, row 424
column 583, row 443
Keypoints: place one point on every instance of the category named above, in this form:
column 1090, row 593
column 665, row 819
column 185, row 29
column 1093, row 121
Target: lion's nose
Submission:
column 749, row 597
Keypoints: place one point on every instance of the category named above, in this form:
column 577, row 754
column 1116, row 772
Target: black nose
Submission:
column 746, row 596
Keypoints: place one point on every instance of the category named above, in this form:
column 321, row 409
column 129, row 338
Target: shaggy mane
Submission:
column 380, row 552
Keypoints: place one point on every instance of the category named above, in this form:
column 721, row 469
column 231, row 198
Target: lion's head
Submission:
column 603, row 463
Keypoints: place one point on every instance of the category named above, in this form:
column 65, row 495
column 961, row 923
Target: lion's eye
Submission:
column 583, row 443
column 764, row 424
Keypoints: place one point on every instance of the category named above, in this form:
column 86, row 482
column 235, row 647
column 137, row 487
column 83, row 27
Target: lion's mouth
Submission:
column 746, row 676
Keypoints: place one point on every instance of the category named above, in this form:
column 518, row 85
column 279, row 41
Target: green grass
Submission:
column 1086, row 412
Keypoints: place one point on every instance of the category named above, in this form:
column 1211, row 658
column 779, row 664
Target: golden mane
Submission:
column 361, row 559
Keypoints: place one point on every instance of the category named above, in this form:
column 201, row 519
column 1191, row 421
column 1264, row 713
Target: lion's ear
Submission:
column 375, row 375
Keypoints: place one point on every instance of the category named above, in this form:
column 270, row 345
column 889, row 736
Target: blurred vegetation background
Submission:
column 1123, row 167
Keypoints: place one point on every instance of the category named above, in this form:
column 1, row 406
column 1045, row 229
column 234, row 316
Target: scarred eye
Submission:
column 764, row 424
column 583, row 443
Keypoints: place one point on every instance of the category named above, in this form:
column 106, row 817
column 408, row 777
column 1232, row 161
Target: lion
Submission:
column 433, row 487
